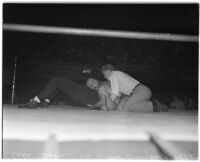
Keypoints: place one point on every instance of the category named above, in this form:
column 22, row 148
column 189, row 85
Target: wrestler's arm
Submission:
column 99, row 104
column 105, row 92
column 110, row 105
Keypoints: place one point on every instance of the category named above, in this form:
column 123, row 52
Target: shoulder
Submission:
column 116, row 73
column 105, row 84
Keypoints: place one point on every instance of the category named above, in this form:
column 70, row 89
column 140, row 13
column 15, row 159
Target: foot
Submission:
column 31, row 104
column 159, row 107
column 91, row 107
column 34, row 104
column 44, row 104
column 155, row 106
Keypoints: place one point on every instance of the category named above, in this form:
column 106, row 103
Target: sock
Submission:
column 37, row 99
column 47, row 100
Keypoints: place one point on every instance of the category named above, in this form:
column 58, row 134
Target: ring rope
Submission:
column 99, row 32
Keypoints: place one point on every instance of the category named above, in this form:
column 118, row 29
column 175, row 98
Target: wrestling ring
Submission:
column 66, row 132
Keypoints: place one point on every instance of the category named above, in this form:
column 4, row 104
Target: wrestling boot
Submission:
column 44, row 104
column 32, row 104
column 159, row 107
column 155, row 106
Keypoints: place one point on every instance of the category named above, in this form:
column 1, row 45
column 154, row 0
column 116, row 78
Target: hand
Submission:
column 89, row 105
column 103, row 108
column 92, row 107
column 102, row 90
column 113, row 97
column 117, row 100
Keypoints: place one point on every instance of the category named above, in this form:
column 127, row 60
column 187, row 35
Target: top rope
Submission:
column 100, row 32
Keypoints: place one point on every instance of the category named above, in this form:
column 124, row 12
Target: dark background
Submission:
column 164, row 18
column 167, row 67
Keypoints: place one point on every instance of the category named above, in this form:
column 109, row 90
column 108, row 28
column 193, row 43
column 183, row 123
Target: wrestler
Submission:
column 104, row 90
column 136, row 95
column 80, row 93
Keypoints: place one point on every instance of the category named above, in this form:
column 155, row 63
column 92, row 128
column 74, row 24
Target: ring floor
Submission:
column 69, row 132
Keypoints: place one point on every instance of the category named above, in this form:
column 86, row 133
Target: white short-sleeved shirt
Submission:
column 122, row 83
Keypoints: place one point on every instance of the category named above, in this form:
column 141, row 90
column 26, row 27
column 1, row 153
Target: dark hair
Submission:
column 107, row 67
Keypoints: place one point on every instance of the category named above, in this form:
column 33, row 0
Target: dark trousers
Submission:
column 80, row 93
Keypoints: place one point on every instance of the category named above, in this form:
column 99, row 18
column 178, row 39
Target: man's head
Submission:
column 92, row 83
column 107, row 70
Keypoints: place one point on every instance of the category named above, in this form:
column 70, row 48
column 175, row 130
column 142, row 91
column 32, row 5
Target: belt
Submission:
column 134, row 88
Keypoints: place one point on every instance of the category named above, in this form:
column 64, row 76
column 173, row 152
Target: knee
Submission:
column 147, row 96
column 147, row 93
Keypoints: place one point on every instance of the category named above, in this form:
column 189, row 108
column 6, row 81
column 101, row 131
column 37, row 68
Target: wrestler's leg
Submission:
column 141, row 95
column 57, row 83
column 145, row 106
column 121, row 104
